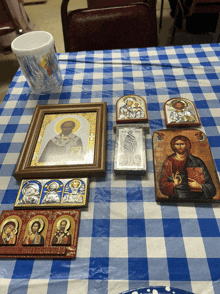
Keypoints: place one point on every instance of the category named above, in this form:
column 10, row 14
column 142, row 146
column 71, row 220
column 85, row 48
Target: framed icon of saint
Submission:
column 181, row 112
column 64, row 141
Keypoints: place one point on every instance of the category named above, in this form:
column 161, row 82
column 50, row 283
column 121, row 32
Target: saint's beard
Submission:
column 181, row 152
column 66, row 133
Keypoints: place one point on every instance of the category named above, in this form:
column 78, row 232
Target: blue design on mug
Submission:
column 42, row 71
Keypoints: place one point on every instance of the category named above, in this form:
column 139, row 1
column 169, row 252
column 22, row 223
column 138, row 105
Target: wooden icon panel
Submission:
column 184, row 167
column 39, row 233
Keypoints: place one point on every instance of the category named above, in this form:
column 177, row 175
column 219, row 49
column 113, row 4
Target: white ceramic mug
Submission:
column 36, row 55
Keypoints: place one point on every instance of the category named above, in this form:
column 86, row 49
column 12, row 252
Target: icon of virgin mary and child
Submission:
column 8, row 232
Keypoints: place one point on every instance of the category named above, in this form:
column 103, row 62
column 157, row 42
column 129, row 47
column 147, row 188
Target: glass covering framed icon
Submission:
column 64, row 141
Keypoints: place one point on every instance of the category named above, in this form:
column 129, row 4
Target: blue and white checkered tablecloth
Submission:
column 126, row 239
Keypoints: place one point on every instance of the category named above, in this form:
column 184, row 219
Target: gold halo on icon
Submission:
column 75, row 129
column 36, row 220
column 178, row 100
column 75, row 183
column 9, row 220
column 129, row 98
column 52, row 183
column 67, row 224
column 30, row 185
column 138, row 103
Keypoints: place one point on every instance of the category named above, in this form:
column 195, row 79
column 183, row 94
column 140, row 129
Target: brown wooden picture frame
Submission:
column 185, row 115
column 25, row 169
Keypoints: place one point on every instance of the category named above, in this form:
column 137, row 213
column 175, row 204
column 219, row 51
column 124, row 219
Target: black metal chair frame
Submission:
column 204, row 6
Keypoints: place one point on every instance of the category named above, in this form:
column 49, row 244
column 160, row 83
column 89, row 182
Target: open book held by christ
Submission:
column 196, row 174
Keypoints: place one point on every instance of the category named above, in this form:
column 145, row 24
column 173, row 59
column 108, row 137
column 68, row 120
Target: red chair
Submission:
column 119, row 27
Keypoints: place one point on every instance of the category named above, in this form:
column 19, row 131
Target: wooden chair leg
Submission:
column 217, row 31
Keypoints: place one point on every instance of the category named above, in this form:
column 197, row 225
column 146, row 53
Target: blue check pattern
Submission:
column 126, row 239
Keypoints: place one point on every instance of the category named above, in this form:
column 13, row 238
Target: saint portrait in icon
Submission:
column 30, row 193
column 138, row 111
column 130, row 148
column 8, row 232
column 183, row 175
column 62, row 236
column 66, row 139
column 33, row 236
column 65, row 144
column 131, row 108
column 52, row 194
column 129, row 155
column 126, row 110
column 181, row 114
column 181, row 111
column 74, row 192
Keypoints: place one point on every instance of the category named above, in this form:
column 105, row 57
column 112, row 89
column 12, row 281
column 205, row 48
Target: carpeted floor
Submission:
column 46, row 16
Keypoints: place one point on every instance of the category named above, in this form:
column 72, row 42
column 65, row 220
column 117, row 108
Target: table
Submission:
column 126, row 239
